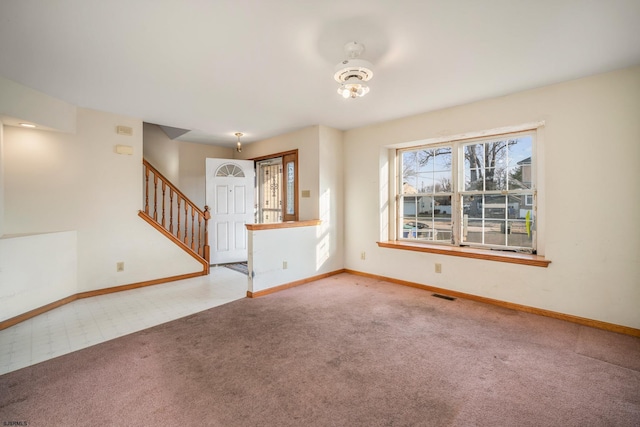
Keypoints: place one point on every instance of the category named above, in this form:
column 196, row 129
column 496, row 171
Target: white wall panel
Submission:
column 590, row 155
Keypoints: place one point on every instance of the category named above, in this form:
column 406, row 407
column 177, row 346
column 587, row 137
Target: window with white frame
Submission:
column 473, row 192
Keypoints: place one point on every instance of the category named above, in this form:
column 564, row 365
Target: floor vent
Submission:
column 448, row 298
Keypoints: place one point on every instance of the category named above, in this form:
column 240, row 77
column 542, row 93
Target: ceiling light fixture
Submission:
column 353, row 72
column 27, row 125
column 239, row 144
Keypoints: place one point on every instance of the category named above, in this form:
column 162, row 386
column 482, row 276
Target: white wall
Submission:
column 309, row 251
column 161, row 152
column 193, row 171
column 1, row 178
column 183, row 163
column 61, row 182
column 300, row 247
column 331, row 197
column 306, row 141
column 36, row 270
column 23, row 103
column 591, row 140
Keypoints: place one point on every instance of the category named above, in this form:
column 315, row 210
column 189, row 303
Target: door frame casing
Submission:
column 287, row 156
column 246, row 217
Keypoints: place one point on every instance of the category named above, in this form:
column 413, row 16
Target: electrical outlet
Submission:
column 363, row 255
column 438, row 267
column 120, row 266
column 284, row 265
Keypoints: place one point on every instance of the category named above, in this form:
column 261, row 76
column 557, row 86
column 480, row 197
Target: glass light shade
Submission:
column 353, row 90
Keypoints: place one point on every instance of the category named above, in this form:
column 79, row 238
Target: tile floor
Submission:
column 90, row 321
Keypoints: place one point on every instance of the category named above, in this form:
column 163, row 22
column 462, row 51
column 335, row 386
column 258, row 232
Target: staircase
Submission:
column 169, row 211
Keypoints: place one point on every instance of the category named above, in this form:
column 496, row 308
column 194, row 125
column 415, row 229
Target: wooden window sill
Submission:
column 287, row 224
column 485, row 254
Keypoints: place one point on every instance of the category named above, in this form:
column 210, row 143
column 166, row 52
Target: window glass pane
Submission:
column 290, row 188
column 495, row 162
column 494, row 232
column 425, row 206
column 427, row 229
column 442, row 161
column 515, row 206
column 472, row 230
column 229, row 169
column 442, row 219
column 409, row 206
column 417, row 218
column 492, row 179
column 409, row 219
column 424, row 161
column 443, row 182
column 522, row 230
column 473, row 167
column 495, row 206
column 424, row 168
column 425, row 183
column 414, row 229
column 427, row 171
column 426, row 216
column 409, row 170
column 519, row 233
column 472, row 206
column 519, row 150
column 520, row 162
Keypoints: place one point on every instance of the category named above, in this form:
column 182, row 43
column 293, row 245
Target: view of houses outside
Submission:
column 494, row 187
column 427, row 193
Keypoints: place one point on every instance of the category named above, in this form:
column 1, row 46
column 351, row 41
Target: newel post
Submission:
column 205, row 248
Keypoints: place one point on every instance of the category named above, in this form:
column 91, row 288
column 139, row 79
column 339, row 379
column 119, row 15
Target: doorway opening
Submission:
column 277, row 188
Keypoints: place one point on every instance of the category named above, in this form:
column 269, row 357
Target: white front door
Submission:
column 230, row 197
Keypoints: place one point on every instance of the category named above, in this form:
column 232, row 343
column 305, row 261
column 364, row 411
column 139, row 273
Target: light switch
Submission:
column 124, row 149
column 124, row 130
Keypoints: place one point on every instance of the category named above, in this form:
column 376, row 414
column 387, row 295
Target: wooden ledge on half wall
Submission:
column 485, row 254
column 287, row 224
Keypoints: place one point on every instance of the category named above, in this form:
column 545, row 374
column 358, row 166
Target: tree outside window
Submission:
column 469, row 193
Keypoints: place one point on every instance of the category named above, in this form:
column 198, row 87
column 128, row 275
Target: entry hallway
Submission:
column 90, row 321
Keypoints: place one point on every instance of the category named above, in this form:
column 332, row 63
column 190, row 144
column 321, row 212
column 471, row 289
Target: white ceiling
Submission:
column 265, row 67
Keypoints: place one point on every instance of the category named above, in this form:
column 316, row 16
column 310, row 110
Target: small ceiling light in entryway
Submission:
column 239, row 144
column 353, row 72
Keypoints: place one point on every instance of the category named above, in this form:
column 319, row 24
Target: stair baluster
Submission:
column 195, row 242
column 164, row 189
